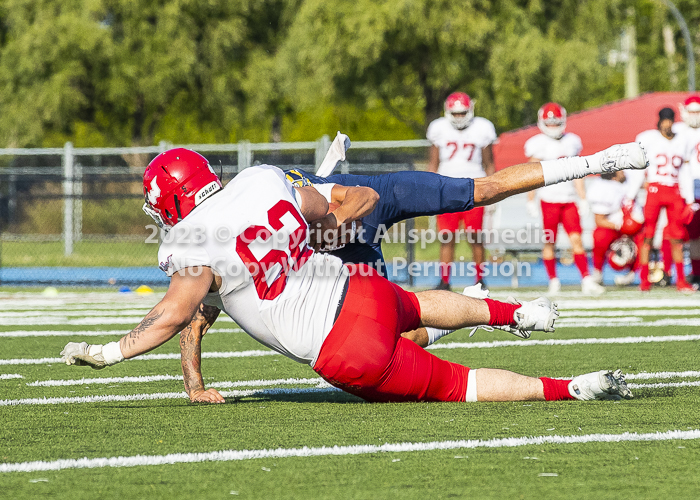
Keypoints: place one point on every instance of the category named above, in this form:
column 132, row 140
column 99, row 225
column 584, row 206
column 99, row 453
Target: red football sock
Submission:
column 667, row 256
column 445, row 272
column 501, row 312
column 582, row 263
column 556, row 390
column 680, row 273
column 551, row 266
column 479, row 272
column 644, row 273
column 695, row 265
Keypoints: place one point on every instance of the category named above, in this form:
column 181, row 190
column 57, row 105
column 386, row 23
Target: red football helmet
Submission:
column 174, row 183
column 551, row 120
column 623, row 254
column 459, row 102
column 632, row 220
column 690, row 111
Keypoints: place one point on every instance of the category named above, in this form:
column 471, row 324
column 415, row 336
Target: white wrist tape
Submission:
column 112, row 353
column 567, row 169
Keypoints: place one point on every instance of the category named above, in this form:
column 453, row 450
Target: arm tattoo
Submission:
column 146, row 323
column 191, row 359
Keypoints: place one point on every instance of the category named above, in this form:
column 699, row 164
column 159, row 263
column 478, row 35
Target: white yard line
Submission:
column 145, row 357
column 161, row 395
column 446, row 345
column 160, row 378
column 662, row 385
column 532, row 343
column 607, row 303
column 662, row 375
column 90, row 333
column 65, row 320
column 10, row 376
column 237, row 455
column 630, row 322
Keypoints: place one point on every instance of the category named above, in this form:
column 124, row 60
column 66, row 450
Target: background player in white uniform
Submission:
column 244, row 248
column 690, row 127
column 462, row 146
column 558, row 202
column 668, row 187
column 613, row 221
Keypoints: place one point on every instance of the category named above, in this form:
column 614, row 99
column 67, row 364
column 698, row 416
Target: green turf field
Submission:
column 141, row 438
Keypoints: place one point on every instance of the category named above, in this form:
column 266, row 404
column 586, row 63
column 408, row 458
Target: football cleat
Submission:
column 590, row 287
column 626, row 279
column 532, row 316
column 604, row 385
column 624, row 156
column 554, row 286
column 685, row 287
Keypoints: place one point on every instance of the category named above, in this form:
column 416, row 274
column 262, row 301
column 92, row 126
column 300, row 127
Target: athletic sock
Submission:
column 479, row 272
column 644, row 274
column 501, row 313
column 582, row 263
column 551, row 266
column 668, row 257
column 445, row 271
column 680, row 273
column 435, row 334
column 556, row 390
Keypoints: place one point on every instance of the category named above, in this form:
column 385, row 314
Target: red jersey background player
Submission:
column 690, row 127
column 667, row 173
column 462, row 146
column 558, row 202
column 615, row 225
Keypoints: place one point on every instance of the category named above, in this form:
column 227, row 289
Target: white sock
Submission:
column 567, row 169
column 435, row 334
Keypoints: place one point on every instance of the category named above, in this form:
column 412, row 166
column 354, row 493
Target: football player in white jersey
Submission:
column 244, row 249
column 558, row 202
column 690, row 126
column 462, row 146
column 669, row 187
column 614, row 221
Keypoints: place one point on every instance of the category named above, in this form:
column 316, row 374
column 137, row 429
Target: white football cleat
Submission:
column 532, row 316
column 623, row 156
column 476, row 292
column 626, row 279
column 554, row 286
column 597, row 276
column 590, row 287
column 604, row 384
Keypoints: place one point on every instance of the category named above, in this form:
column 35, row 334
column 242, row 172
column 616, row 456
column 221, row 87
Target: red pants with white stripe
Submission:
column 365, row 354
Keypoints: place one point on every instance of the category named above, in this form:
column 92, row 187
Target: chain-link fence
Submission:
column 72, row 216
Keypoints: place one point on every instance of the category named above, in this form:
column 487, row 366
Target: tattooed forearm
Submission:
column 191, row 358
column 146, row 323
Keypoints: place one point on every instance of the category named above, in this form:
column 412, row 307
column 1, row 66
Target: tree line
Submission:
column 134, row 72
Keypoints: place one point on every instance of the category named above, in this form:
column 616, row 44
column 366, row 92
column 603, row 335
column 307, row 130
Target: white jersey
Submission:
column 666, row 156
column 542, row 147
column 606, row 197
column 253, row 236
column 460, row 150
column 693, row 137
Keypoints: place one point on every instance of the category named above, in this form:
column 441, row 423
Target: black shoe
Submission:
column 693, row 280
column 664, row 281
column 443, row 285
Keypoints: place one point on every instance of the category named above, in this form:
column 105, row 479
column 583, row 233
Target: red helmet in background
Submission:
column 632, row 220
column 174, row 183
column 551, row 120
column 690, row 111
column 623, row 254
column 459, row 102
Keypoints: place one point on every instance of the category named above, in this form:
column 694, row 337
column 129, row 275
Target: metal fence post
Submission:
column 324, row 144
column 78, row 203
column 68, row 199
column 245, row 157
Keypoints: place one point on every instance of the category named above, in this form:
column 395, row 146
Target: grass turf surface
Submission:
column 73, row 430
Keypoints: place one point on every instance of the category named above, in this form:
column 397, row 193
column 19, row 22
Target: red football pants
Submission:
column 365, row 354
